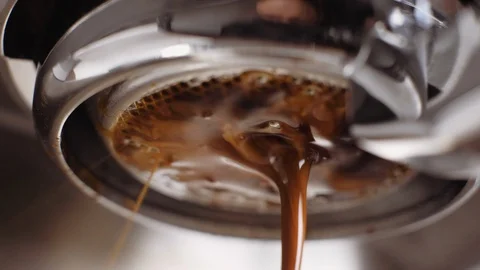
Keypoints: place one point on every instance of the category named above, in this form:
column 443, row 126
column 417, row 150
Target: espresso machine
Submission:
column 412, row 67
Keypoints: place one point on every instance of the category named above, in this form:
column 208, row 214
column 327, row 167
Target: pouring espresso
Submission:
column 264, row 131
column 258, row 120
column 264, row 125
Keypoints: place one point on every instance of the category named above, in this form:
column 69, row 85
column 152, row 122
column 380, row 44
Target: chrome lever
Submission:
column 443, row 142
column 402, row 95
column 447, row 145
column 392, row 62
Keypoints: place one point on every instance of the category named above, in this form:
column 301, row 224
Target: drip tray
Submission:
column 417, row 203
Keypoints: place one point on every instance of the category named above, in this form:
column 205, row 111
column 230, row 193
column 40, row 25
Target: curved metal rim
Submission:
column 51, row 123
column 6, row 74
column 4, row 15
column 181, row 222
column 468, row 191
column 172, row 219
column 52, row 133
column 463, row 197
column 159, row 218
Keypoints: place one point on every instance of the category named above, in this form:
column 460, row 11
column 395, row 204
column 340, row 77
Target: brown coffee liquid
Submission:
column 120, row 243
column 253, row 128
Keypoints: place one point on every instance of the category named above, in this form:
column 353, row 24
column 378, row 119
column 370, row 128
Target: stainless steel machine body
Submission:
column 131, row 45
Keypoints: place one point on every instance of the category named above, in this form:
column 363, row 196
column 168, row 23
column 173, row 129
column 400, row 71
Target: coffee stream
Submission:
column 120, row 243
column 262, row 124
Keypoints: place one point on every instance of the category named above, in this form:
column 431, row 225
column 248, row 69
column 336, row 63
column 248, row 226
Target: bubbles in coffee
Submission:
column 251, row 134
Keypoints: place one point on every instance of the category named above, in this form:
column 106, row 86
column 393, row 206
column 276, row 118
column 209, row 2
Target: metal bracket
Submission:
column 393, row 60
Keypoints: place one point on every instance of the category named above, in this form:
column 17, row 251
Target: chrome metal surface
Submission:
column 443, row 141
column 80, row 66
column 49, row 225
column 388, row 60
column 23, row 99
column 446, row 146
column 408, row 34
column 187, row 33
column 408, row 40
column 331, row 213
column 65, row 69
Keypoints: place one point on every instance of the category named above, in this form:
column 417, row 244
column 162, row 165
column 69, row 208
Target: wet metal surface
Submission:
column 48, row 224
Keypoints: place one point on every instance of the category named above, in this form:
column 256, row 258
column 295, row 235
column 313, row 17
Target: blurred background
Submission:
column 47, row 224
